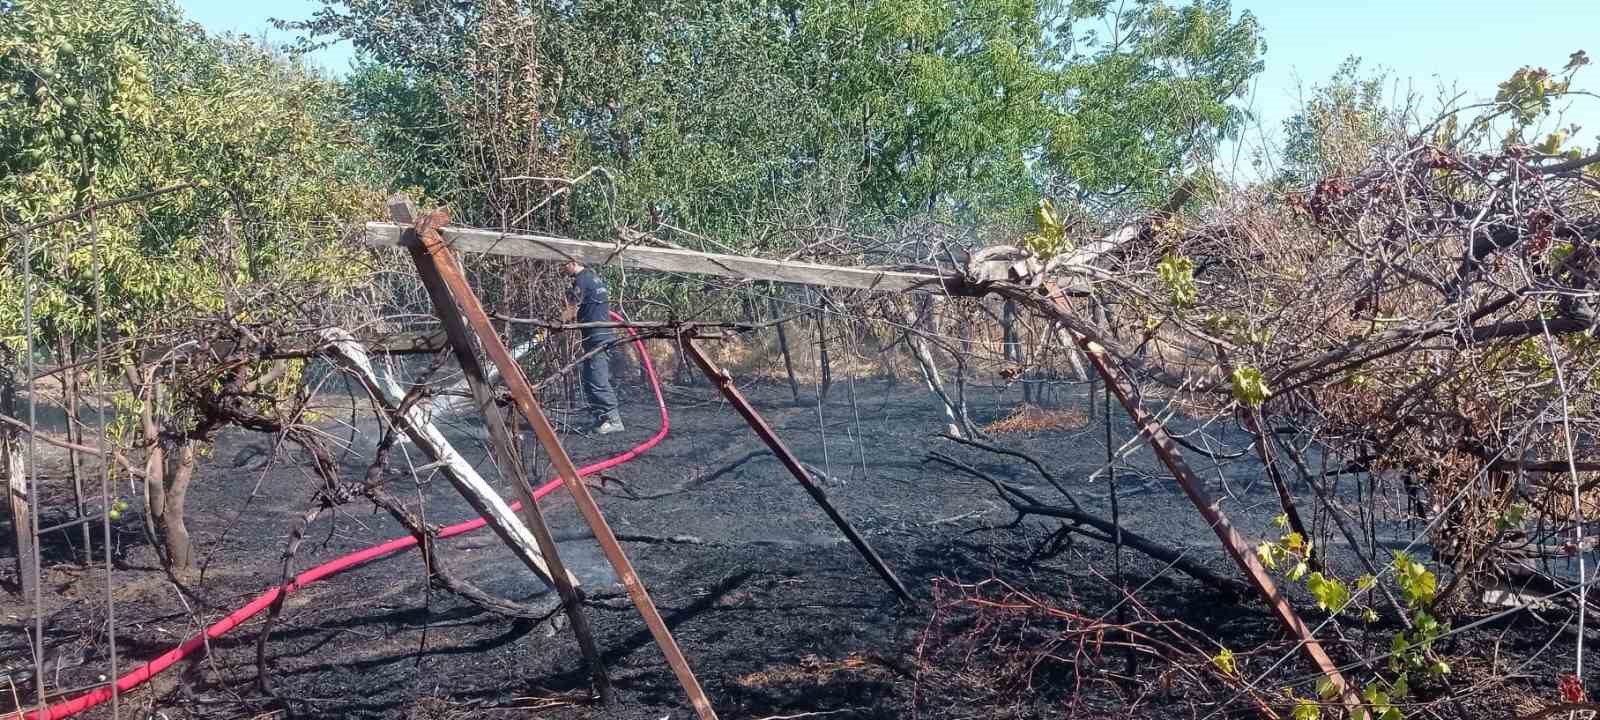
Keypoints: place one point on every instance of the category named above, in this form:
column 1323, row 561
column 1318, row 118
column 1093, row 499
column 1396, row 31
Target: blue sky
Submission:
column 1428, row 47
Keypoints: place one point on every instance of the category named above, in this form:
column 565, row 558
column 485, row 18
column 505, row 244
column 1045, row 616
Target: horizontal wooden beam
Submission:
column 546, row 247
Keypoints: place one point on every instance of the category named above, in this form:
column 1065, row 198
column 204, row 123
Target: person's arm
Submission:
column 569, row 309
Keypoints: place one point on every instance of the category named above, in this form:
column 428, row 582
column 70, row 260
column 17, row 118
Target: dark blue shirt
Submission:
column 588, row 293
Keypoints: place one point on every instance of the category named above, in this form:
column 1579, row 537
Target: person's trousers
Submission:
column 595, row 375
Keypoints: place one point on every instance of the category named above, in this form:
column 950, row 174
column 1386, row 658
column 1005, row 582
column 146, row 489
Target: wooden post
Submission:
column 506, row 455
column 724, row 383
column 428, row 249
column 17, row 484
column 824, row 362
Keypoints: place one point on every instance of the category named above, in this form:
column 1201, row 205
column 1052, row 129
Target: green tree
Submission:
column 113, row 98
column 1149, row 99
column 712, row 113
column 1339, row 127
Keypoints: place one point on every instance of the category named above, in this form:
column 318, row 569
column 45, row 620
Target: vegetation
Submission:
column 119, row 98
column 1403, row 307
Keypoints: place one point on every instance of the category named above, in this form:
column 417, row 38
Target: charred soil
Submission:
column 776, row 612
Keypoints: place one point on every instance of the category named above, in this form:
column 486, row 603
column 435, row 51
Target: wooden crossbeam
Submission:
column 547, row 247
column 644, row 257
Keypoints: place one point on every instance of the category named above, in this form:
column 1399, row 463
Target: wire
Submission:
column 32, row 470
column 105, row 465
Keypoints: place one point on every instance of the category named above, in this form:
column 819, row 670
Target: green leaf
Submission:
column 1306, row 710
column 1268, row 554
column 1249, row 386
column 1225, row 662
column 1177, row 273
column 1331, row 593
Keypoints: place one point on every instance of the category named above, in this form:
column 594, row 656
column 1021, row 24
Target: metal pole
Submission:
column 724, row 383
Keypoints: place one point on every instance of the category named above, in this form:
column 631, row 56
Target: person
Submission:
column 587, row 301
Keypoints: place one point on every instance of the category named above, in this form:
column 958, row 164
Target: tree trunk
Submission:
column 180, row 554
column 16, row 480
column 891, row 362
column 71, row 391
column 155, row 459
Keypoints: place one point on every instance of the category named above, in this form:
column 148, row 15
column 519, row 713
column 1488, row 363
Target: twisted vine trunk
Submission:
column 783, row 347
column 168, row 470
column 175, row 532
column 155, row 459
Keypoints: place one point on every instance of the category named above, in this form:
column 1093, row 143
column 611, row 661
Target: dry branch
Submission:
column 1024, row 505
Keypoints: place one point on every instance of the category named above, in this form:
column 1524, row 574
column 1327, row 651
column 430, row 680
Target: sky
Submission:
column 1425, row 47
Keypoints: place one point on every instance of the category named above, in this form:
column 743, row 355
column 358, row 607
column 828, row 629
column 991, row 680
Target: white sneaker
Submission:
column 609, row 426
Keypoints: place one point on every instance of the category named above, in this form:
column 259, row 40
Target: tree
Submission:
column 711, row 113
column 1153, row 99
column 113, row 98
column 1339, row 128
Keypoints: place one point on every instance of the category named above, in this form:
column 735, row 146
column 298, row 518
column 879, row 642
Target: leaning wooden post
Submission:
column 504, row 449
column 724, row 383
column 428, row 250
column 1238, row 548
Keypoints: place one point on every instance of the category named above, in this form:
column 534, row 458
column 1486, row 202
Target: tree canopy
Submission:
column 708, row 111
column 114, row 98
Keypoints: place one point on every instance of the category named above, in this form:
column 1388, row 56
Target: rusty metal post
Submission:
column 429, row 249
column 1238, row 548
column 724, row 383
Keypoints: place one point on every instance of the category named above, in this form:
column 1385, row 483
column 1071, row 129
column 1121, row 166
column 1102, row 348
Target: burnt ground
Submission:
column 776, row 612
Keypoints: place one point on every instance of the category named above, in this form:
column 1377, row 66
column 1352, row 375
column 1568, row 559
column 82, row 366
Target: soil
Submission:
column 777, row 613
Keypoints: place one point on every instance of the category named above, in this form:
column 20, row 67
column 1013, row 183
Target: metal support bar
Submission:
column 1166, row 449
column 72, row 523
column 724, row 383
column 430, row 249
column 504, row 448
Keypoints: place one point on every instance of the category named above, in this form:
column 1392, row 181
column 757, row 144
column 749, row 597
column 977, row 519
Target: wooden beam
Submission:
column 1166, row 449
column 430, row 249
column 504, row 450
column 546, row 247
column 679, row 260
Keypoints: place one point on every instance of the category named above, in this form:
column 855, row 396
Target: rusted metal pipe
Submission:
column 1238, row 548
column 724, row 383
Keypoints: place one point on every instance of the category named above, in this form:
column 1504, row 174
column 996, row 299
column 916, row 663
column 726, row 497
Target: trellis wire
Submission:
column 32, row 469
column 105, row 466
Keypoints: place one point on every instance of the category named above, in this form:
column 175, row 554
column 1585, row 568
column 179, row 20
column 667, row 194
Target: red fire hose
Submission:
column 138, row 676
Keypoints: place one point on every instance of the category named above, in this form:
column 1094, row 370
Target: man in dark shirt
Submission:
column 587, row 301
